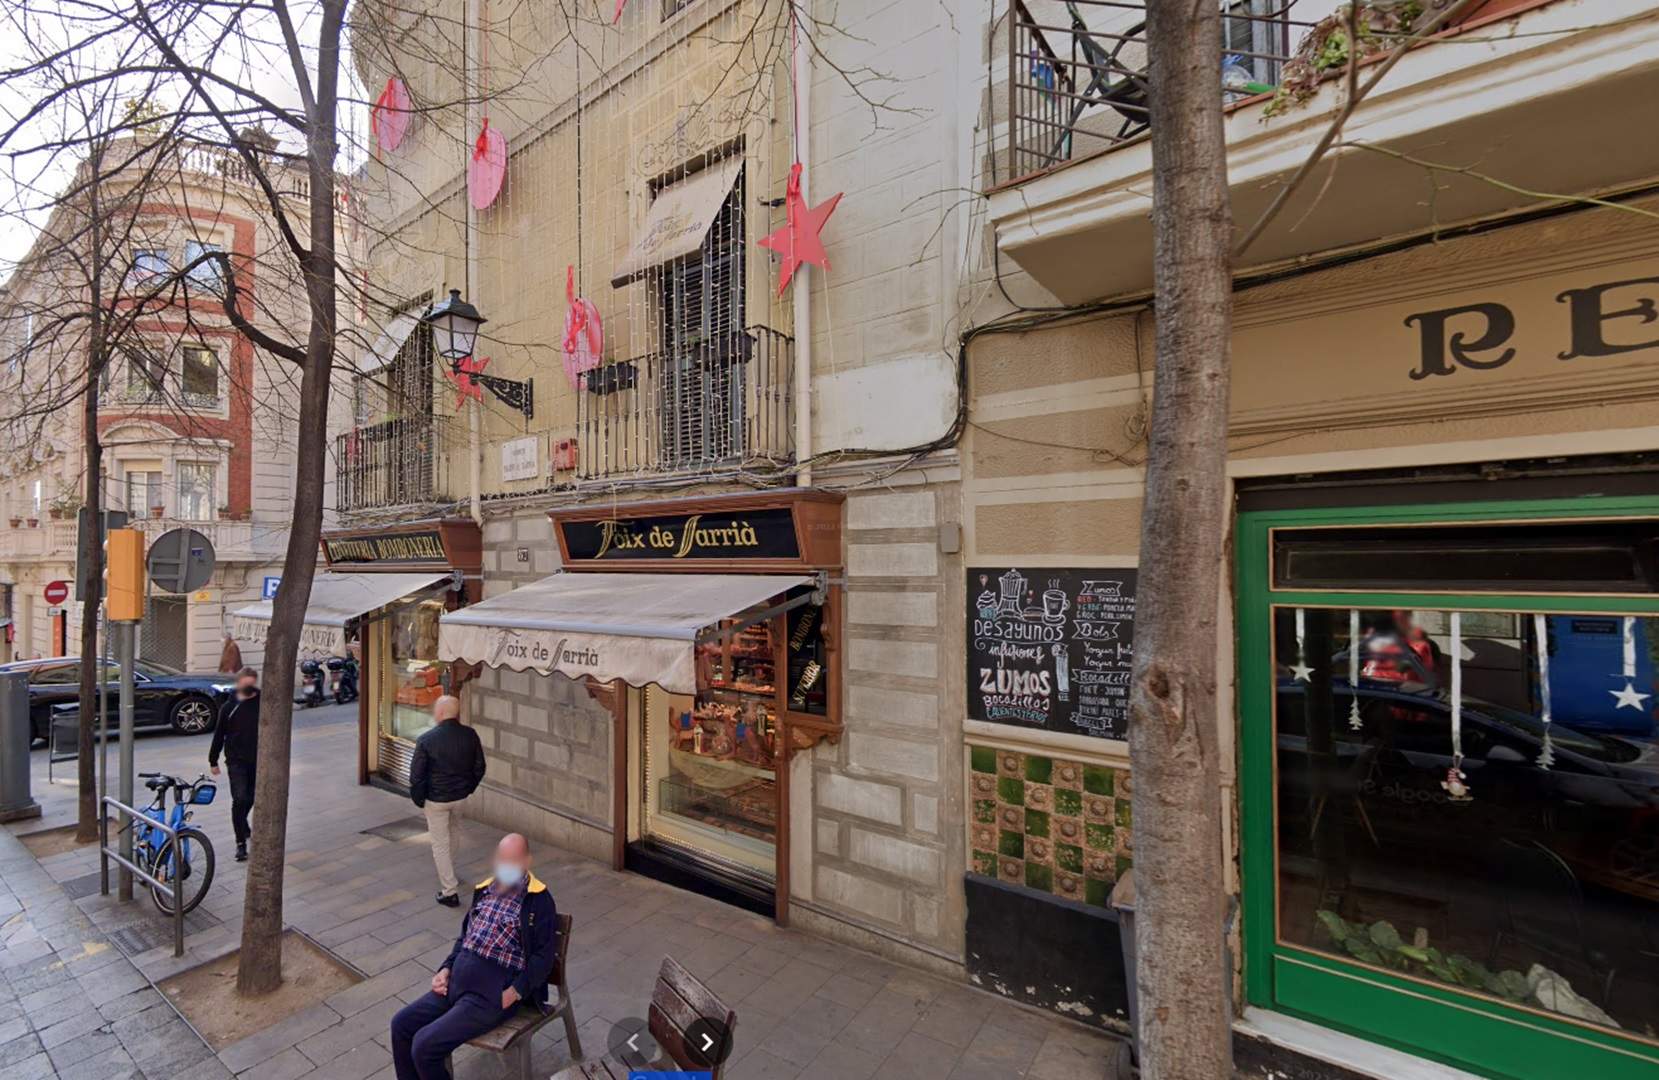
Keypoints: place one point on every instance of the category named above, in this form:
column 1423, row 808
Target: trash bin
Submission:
column 16, row 800
column 1123, row 901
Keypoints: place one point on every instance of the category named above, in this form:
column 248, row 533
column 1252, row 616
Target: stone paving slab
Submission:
column 806, row 1008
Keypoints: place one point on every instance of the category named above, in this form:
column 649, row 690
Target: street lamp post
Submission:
column 455, row 324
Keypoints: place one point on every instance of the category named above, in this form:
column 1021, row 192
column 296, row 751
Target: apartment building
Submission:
column 197, row 427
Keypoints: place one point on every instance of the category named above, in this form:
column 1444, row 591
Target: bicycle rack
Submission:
column 175, row 891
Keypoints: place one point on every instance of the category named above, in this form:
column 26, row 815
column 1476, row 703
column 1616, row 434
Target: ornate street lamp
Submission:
column 455, row 324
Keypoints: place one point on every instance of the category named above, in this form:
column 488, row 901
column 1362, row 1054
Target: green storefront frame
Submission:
column 1470, row 1032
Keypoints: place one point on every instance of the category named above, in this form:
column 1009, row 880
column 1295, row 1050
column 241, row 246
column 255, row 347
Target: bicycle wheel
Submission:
column 194, row 871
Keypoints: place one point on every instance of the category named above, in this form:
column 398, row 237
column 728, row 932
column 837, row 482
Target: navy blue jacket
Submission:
column 538, row 939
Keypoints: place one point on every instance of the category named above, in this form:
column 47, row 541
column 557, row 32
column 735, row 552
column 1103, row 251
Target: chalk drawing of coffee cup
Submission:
column 1055, row 605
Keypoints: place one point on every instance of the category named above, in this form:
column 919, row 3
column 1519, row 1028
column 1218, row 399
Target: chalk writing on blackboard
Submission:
column 1051, row 648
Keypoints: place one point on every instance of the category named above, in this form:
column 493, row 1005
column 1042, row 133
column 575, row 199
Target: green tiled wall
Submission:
column 1047, row 823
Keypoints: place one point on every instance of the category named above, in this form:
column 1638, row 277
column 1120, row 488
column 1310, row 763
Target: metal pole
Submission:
column 126, row 661
column 103, row 743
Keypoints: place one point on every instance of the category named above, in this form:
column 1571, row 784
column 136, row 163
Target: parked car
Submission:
column 162, row 696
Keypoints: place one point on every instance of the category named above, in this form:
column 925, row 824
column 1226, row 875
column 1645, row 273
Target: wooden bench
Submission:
column 511, row 1038
column 677, row 1003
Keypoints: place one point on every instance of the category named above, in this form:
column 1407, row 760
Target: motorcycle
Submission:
column 342, row 678
column 311, row 676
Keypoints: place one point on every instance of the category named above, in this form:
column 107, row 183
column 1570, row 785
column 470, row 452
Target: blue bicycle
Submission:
column 184, row 861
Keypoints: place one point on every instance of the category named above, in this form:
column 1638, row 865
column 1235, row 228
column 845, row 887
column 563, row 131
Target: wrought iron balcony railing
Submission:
column 398, row 462
column 718, row 405
column 1077, row 81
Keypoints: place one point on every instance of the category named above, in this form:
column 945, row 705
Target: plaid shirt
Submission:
column 492, row 928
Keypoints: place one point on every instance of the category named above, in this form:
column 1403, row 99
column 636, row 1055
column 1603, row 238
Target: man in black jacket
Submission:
column 447, row 767
column 237, row 735
column 502, row 957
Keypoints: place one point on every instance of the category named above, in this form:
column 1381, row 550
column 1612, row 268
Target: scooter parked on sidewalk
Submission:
column 342, row 679
column 311, row 678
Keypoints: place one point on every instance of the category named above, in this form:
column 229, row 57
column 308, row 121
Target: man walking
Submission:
column 447, row 767
column 237, row 735
column 503, row 956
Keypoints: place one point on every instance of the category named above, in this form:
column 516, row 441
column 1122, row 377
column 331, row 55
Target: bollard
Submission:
column 16, row 801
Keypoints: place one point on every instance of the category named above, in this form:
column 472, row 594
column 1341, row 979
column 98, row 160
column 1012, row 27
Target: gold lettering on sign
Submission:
column 620, row 536
column 421, row 547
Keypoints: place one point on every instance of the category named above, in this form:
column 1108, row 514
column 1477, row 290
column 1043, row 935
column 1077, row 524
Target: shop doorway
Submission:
column 1450, row 826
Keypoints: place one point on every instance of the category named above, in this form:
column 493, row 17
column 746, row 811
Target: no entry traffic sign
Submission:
column 57, row 592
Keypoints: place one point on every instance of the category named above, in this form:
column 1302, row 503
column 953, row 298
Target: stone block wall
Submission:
column 888, row 843
column 547, row 740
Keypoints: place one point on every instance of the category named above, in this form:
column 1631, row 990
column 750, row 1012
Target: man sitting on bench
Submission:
column 503, row 956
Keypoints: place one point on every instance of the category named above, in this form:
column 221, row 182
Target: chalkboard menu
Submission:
column 1051, row 648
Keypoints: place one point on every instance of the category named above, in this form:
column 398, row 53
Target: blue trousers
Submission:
column 427, row 1030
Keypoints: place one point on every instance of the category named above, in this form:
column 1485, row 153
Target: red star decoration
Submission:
column 798, row 241
column 461, row 374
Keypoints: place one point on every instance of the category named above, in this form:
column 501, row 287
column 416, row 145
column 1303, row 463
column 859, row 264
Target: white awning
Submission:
column 336, row 599
column 679, row 219
column 641, row 628
column 387, row 344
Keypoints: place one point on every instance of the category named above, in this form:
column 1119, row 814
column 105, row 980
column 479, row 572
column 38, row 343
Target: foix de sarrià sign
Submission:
column 749, row 534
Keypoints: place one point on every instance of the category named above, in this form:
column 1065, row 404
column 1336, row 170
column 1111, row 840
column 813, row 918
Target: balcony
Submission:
column 717, row 407
column 395, row 463
column 54, row 541
column 1484, row 96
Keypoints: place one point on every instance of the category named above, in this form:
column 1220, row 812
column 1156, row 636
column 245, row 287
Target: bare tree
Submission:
column 1183, row 983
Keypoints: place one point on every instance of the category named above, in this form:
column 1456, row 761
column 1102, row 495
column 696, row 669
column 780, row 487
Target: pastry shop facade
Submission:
column 650, row 703
column 378, row 601
column 1439, row 654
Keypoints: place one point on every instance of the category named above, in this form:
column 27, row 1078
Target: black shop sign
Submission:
column 1051, row 649
column 746, row 534
column 391, row 549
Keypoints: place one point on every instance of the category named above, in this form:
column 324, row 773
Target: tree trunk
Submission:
column 1185, row 990
column 259, row 966
column 91, row 546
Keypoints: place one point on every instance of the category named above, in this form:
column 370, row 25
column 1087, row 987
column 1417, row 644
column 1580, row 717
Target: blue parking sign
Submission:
column 271, row 584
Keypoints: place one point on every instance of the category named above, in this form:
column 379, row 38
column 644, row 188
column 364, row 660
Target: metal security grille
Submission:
column 166, row 634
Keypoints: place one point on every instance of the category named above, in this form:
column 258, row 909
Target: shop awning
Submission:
column 336, row 599
column 386, row 346
column 679, row 219
column 641, row 628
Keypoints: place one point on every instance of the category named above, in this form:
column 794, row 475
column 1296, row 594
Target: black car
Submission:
column 162, row 696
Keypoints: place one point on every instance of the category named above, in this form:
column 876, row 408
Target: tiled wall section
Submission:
column 1050, row 824
column 885, row 850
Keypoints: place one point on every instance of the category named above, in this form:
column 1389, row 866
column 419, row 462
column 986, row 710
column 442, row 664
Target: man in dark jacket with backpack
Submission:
column 447, row 767
column 237, row 736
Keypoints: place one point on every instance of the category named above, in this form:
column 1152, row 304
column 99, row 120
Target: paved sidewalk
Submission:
column 75, row 998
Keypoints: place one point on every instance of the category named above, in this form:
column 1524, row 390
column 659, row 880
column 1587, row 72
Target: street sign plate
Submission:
column 57, row 592
column 180, row 561
column 271, row 584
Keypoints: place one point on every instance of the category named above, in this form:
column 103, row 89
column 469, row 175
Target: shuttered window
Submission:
column 705, row 349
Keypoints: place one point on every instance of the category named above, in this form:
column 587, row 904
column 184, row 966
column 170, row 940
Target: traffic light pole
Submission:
column 126, row 631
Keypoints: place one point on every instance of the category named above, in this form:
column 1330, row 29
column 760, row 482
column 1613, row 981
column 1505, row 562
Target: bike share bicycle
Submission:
column 186, row 861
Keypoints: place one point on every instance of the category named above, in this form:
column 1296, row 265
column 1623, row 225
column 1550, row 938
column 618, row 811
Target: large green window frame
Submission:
column 1473, row 1033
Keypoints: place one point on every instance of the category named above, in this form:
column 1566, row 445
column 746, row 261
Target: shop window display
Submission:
column 1471, row 799
column 413, row 675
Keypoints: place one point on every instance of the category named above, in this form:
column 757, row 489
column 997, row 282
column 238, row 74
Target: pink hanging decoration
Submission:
column 488, row 167
column 461, row 374
column 620, row 4
column 798, row 241
column 389, row 120
column 584, row 344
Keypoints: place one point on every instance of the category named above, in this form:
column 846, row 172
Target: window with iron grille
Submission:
column 1249, row 31
column 705, row 349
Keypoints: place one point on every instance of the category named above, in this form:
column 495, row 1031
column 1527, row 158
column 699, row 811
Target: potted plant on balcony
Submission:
column 66, row 505
column 157, row 511
column 33, row 523
column 17, row 522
